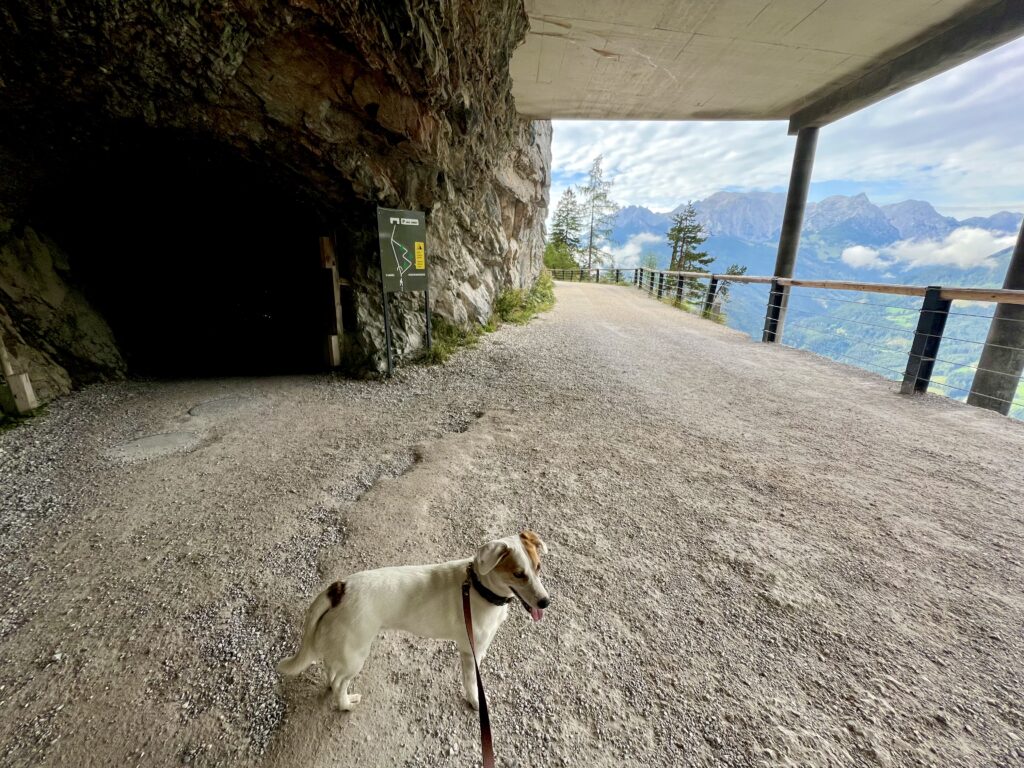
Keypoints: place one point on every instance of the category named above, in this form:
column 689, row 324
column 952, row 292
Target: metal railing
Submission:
column 881, row 340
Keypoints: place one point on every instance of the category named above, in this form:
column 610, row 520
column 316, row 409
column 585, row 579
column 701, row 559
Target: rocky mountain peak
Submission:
column 918, row 219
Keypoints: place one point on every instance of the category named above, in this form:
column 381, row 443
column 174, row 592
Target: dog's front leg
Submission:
column 469, row 679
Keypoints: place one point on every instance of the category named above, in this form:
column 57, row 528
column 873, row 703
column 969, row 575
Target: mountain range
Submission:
column 847, row 238
column 839, row 220
column 744, row 229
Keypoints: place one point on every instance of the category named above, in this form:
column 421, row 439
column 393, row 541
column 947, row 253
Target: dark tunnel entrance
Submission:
column 202, row 263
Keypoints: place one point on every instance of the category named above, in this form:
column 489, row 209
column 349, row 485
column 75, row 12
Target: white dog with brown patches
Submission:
column 425, row 600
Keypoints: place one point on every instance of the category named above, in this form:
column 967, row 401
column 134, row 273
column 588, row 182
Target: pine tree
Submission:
column 685, row 236
column 566, row 225
column 598, row 214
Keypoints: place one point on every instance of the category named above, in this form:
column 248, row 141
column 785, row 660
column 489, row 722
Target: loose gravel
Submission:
column 758, row 558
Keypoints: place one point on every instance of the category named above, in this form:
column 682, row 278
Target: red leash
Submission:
column 485, row 720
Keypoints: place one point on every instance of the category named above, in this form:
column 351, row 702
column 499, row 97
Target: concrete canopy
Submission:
column 809, row 61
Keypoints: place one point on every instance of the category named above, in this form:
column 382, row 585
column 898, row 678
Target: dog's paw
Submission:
column 346, row 704
column 472, row 702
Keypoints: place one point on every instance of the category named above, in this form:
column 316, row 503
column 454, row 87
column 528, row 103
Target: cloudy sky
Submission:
column 956, row 141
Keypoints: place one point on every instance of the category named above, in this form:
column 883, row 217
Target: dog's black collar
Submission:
column 484, row 592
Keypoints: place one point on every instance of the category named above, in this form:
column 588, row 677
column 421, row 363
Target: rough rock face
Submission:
column 344, row 105
column 51, row 331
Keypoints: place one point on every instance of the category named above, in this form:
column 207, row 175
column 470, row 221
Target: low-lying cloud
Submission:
column 963, row 248
column 629, row 254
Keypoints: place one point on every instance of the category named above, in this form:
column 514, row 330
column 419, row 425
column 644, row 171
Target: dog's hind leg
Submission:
column 342, row 698
column 342, row 671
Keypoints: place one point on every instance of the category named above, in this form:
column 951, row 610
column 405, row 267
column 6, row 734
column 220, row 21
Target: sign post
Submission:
column 402, row 237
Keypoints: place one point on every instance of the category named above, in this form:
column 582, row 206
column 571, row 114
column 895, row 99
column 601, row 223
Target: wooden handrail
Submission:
column 997, row 295
column 847, row 285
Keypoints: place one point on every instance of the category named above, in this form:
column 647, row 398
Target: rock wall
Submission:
column 343, row 104
column 47, row 325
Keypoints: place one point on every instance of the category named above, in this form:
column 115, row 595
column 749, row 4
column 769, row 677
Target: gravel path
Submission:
column 759, row 557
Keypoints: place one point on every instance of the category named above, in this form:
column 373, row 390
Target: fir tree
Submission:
column 686, row 236
column 598, row 214
column 566, row 225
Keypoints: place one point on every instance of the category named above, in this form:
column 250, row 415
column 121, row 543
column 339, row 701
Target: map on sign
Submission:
column 403, row 258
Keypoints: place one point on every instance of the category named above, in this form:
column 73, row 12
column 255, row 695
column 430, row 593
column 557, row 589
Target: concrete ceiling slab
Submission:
column 811, row 61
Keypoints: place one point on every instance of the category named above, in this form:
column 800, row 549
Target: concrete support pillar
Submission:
column 1002, row 359
column 792, row 223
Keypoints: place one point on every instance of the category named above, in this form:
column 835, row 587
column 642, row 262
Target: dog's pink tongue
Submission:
column 537, row 613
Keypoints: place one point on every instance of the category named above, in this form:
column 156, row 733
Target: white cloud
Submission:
column 964, row 248
column 861, row 256
column 629, row 254
column 660, row 164
column 926, row 143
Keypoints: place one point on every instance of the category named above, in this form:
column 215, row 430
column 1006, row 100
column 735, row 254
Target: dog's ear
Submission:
column 489, row 555
column 536, row 540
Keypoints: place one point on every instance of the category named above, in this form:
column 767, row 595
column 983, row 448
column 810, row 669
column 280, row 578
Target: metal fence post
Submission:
column 931, row 323
column 597, row 275
column 661, row 284
column 709, row 297
column 679, row 289
column 640, row 277
column 618, row 276
column 772, row 318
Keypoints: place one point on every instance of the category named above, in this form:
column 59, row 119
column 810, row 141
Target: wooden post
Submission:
column 335, row 324
column 21, row 387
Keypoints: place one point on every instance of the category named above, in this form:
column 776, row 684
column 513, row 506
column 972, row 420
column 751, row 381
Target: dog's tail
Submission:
column 306, row 654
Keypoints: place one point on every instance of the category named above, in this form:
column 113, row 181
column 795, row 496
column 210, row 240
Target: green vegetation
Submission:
column 518, row 307
column 511, row 306
column 447, row 338
column 559, row 256
column 582, row 225
column 10, row 420
column 900, row 317
column 566, row 225
column 685, row 236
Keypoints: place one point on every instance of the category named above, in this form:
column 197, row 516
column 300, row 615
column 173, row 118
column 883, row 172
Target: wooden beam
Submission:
column 998, row 295
column 336, row 328
column 846, row 285
column 22, row 394
column 985, row 25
